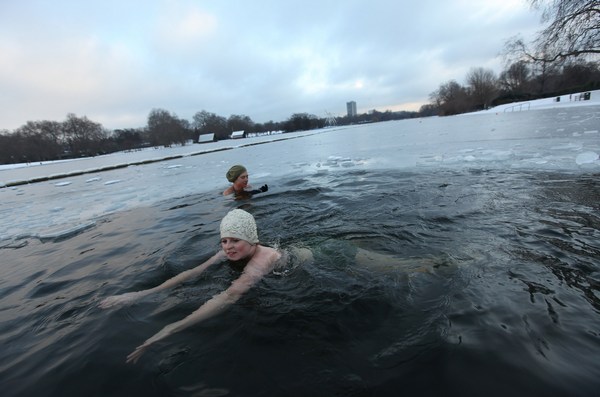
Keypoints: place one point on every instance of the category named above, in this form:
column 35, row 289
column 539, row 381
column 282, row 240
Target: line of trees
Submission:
column 39, row 141
column 51, row 140
column 521, row 81
column 562, row 58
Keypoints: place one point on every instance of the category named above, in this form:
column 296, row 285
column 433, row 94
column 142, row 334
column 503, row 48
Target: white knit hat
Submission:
column 239, row 224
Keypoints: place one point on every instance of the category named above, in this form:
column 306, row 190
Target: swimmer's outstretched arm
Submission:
column 210, row 308
column 170, row 283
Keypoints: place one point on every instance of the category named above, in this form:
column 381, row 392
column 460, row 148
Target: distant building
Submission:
column 237, row 134
column 351, row 108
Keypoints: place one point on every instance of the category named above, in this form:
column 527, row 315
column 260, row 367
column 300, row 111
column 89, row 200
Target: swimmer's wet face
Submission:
column 242, row 180
column 237, row 249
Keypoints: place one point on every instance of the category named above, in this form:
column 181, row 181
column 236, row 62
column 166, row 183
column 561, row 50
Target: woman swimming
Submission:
column 238, row 176
column 239, row 243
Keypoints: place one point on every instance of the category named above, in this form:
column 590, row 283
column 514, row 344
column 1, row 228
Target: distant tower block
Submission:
column 351, row 108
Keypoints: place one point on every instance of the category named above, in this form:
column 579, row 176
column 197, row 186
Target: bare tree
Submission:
column 128, row 139
column 450, row 98
column 573, row 30
column 44, row 140
column 515, row 79
column 428, row 109
column 13, row 148
column 303, row 122
column 210, row 123
column 237, row 122
column 483, row 87
column 165, row 128
column 51, row 140
column 578, row 74
column 83, row 136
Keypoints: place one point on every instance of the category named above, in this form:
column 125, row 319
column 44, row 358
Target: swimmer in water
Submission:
column 240, row 244
column 238, row 176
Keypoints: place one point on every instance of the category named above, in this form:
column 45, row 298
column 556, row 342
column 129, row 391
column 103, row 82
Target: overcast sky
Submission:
column 114, row 61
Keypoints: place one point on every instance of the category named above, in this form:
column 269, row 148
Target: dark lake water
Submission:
column 494, row 290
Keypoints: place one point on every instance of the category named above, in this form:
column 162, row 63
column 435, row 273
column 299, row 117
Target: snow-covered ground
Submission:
column 12, row 174
column 560, row 102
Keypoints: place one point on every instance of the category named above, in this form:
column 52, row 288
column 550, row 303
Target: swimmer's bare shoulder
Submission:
column 296, row 255
column 304, row 255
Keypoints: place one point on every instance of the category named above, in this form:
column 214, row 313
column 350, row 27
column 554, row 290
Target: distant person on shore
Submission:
column 240, row 244
column 238, row 176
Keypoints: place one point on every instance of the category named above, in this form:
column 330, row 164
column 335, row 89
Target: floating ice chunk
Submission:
column 568, row 146
column 63, row 183
column 586, row 158
column 112, row 182
column 174, row 166
column 65, row 233
column 93, row 179
column 591, row 132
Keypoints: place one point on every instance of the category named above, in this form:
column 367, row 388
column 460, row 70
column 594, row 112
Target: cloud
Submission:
column 115, row 61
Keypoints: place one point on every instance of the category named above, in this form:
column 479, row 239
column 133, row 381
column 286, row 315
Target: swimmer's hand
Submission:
column 117, row 300
column 262, row 189
column 139, row 351
column 136, row 354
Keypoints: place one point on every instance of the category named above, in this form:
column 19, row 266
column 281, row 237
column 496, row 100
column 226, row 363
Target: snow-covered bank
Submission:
column 560, row 102
column 20, row 174
column 24, row 173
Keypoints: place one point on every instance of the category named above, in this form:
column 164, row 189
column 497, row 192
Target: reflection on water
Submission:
column 477, row 282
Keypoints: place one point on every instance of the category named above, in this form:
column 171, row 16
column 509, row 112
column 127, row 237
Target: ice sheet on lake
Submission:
column 586, row 158
column 543, row 139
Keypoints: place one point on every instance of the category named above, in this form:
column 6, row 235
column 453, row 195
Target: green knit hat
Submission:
column 234, row 172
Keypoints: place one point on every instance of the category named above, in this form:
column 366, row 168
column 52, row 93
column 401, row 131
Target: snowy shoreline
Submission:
column 558, row 102
column 12, row 175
